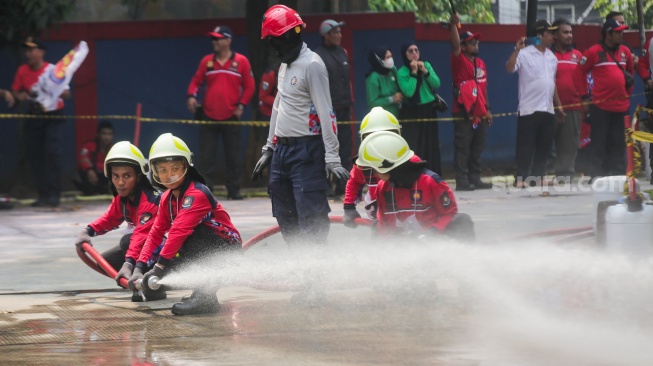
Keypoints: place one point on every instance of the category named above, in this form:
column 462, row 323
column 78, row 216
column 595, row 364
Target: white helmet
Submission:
column 125, row 152
column 169, row 146
column 383, row 151
column 379, row 120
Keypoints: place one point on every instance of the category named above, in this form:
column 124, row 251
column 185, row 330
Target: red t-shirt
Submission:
column 462, row 69
column 26, row 78
column 567, row 62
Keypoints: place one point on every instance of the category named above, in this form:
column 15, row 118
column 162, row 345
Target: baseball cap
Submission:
column 221, row 31
column 329, row 24
column 612, row 25
column 34, row 43
column 543, row 25
column 467, row 36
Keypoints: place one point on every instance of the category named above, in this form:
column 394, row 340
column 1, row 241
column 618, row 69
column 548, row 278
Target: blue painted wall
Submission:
column 156, row 73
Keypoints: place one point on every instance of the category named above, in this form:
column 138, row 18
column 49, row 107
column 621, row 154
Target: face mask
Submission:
column 388, row 63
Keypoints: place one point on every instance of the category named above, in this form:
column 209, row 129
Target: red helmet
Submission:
column 278, row 20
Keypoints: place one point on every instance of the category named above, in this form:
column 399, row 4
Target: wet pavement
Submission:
column 54, row 310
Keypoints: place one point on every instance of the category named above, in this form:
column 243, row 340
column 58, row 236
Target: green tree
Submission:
column 20, row 19
column 629, row 8
column 471, row 11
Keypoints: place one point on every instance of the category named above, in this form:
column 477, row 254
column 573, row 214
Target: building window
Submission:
column 551, row 12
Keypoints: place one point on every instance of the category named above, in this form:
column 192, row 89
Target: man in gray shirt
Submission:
column 303, row 133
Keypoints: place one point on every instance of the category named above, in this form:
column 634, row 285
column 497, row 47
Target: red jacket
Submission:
column 567, row 63
column 643, row 64
column 430, row 200
column 609, row 92
column 358, row 178
column 139, row 212
column 226, row 85
column 90, row 158
column 267, row 91
column 195, row 206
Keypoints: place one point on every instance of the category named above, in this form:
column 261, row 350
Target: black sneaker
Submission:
column 197, row 304
column 465, row 187
column 482, row 185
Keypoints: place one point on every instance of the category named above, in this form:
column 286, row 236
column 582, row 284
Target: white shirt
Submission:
column 537, row 74
column 302, row 106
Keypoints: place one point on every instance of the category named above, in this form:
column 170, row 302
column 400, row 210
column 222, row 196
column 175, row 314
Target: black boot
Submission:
column 137, row 297
column 198, row 303
column 479, row 184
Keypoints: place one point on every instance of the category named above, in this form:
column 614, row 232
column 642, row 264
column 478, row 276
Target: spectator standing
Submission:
column 567, row 133
column 44, row 134
column 336, row 61
column 471, row 106
column 417, row 82
column 8, row 96
column 90, row 162
column 303, row 141
column 536, row 66
column 381, row 81
column 229, row 88
column 608, row 61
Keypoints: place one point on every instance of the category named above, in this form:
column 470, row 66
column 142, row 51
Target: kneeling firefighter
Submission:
column 196, row 224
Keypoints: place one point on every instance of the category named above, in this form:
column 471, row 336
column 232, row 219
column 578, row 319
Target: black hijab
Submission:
column 375, row 58
column 405, row 175
column 404, row 49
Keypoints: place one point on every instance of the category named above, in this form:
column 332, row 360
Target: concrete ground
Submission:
column 55, row 310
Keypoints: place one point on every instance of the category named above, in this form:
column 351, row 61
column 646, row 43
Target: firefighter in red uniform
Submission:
column 135, row 201
column 267, row 91
column 90, row 162
column 608, row 61
column 229, row 88
column 644, row 71
column 377, row 120
column 413, row 201
column 196, row 224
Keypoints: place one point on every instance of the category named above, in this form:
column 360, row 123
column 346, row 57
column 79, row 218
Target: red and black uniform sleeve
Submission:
column 198, row 79
column 143, row 217
column 248, row 82
column 354, row 185
column 110, row 220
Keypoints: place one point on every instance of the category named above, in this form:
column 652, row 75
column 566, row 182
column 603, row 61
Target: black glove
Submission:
column 338, row 171
column 350, row 215
column 262, row 163
column 136, row 275
column 82, row 238
column 125, row 272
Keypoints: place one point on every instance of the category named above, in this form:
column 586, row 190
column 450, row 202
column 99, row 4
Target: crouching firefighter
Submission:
column 135, row 201
column 196, row 224
column 412, row 200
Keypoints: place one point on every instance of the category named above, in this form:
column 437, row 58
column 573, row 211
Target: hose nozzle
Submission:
column 152, row 283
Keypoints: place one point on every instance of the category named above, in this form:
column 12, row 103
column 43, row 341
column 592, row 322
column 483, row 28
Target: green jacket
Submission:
column 381, row 90
column 408, row 84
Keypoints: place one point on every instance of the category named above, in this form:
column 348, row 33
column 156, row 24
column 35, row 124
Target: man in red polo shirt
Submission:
column 567, row 136
column 230, row 86
column 44, row 135
column 607, row 61
column 470, row 105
